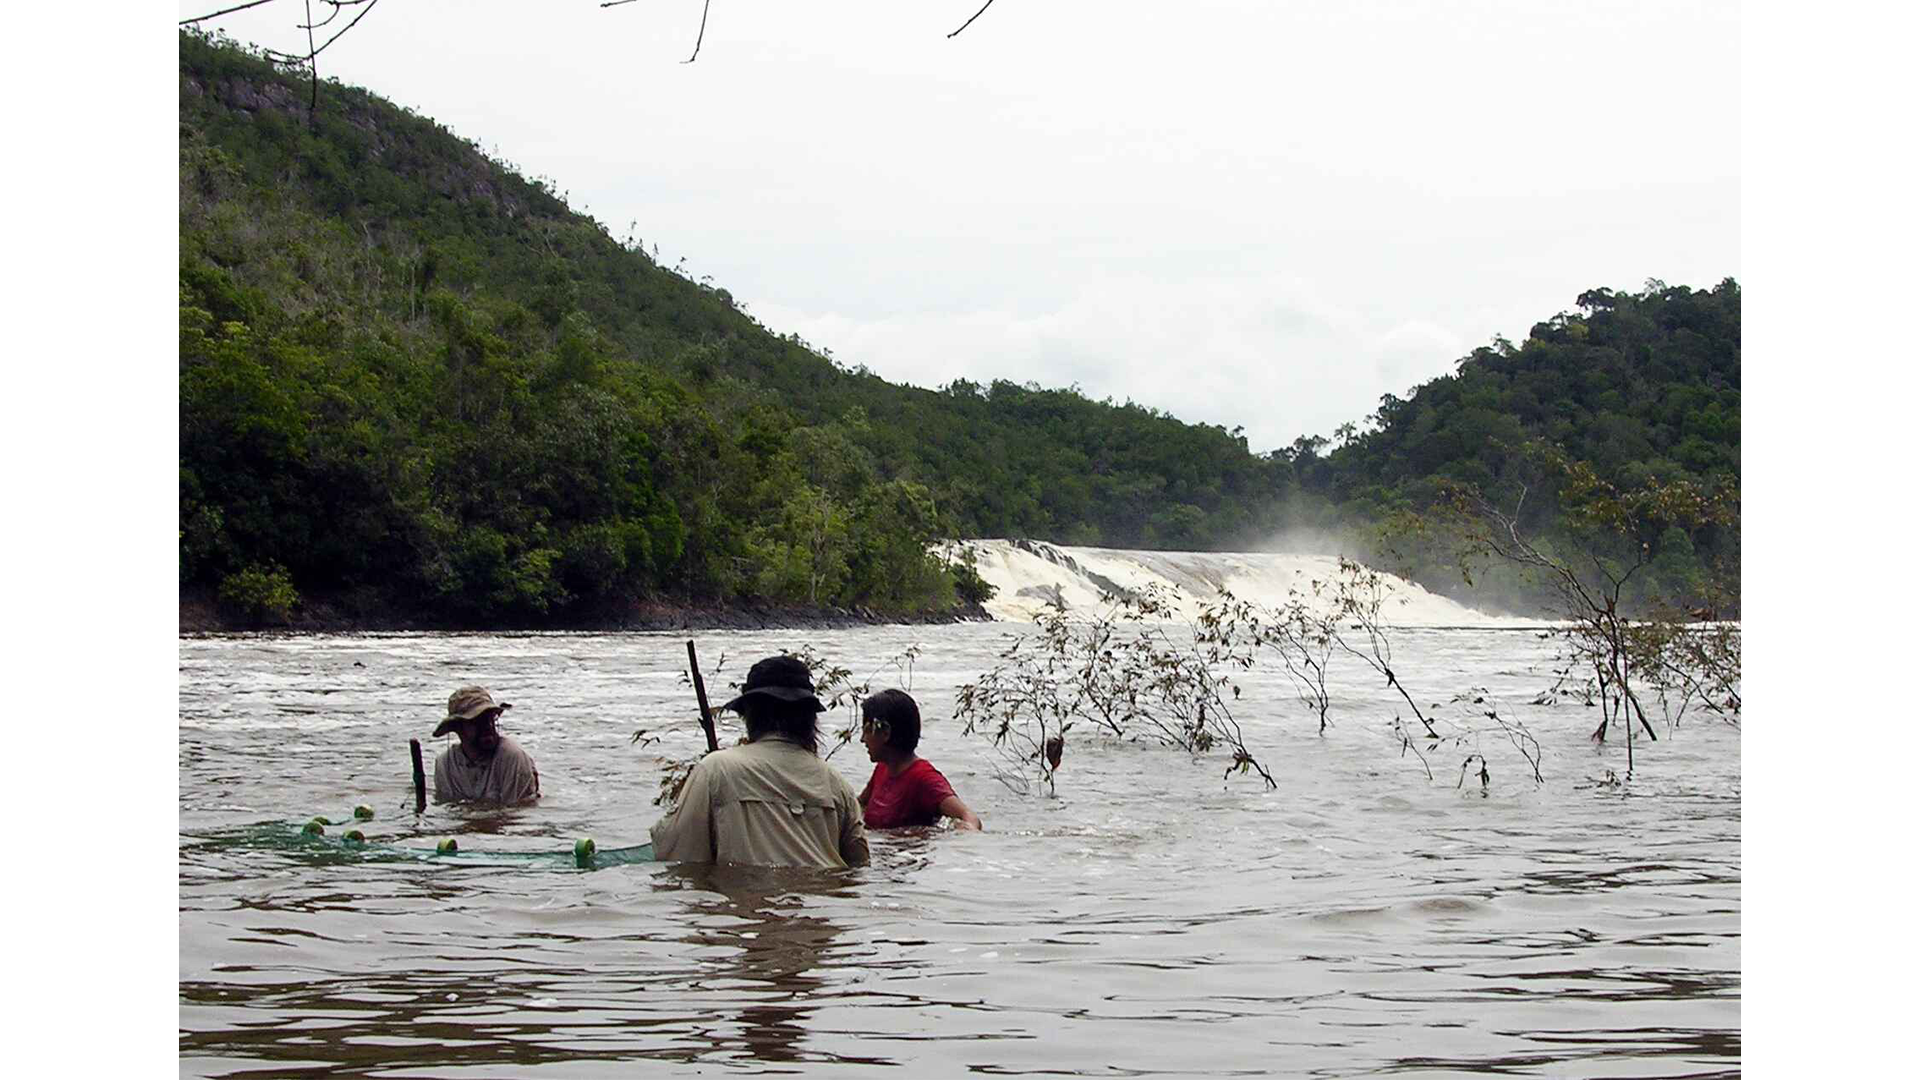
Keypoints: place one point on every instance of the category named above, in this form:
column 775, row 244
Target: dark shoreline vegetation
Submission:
column 418, row 391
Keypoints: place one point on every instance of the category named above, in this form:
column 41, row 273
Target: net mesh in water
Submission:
column 313, row 838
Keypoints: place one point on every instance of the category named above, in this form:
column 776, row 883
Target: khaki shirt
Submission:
column 507, row 777
column 768, row 803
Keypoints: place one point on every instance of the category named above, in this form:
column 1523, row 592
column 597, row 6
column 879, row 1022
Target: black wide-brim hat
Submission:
column 784, row 678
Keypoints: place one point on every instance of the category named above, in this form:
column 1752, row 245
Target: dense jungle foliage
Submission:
column 412, row 380
column 1642, row 390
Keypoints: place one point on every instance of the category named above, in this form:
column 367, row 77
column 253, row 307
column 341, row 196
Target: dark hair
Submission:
column 794, row 720
column 897, row 710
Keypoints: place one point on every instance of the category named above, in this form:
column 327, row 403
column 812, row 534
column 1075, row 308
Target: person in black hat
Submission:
column 486, row 766
column 770, row 801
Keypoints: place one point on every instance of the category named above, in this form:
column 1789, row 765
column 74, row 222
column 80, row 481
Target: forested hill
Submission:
column 412, row 378
column 1644, row 387
column 414, row 382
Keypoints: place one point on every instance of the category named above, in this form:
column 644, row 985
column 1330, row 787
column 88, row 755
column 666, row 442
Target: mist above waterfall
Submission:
column 1028, row 575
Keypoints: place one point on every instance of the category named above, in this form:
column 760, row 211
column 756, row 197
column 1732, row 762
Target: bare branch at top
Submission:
column 227, row 11
column 969, row 22
column 703, row 33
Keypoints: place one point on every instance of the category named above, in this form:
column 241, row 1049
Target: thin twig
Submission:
column 969, row 22
column 349, row 26
column 1406, row 744
column 337, row 6
column 228, row 11
column 279, row 57
column 313, row 68
column 703, row 32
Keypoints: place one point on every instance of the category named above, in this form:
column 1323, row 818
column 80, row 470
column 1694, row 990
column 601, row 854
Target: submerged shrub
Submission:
column 1127, row 672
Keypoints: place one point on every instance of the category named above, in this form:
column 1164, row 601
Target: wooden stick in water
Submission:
column 700, row 691
column 419, row 778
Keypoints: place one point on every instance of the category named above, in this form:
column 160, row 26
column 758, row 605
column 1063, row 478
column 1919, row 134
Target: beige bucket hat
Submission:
column 467, row 703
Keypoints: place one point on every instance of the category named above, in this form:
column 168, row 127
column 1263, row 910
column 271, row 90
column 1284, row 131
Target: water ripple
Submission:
column 1149, row 921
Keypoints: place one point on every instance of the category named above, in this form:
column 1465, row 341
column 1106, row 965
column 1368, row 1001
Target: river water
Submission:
column 1148, row 920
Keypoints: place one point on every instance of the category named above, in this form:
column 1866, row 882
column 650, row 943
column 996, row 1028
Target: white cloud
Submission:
column 1407, row 353
column 1240, row 212
column 1271, row 353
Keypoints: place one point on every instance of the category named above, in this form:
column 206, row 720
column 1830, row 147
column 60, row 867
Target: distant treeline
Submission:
column 1643, row 386
column 413, row 380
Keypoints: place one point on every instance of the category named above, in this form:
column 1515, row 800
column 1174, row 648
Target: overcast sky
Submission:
column 1243, row 212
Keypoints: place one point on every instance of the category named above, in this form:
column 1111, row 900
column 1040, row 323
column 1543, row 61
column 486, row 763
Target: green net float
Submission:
column 354, row 836
column 316, row 827
column 448, row 846
column 583, row 850
column 363, row 812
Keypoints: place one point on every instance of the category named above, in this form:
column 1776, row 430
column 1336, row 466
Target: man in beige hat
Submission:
column 486, row 766
column 770, row 801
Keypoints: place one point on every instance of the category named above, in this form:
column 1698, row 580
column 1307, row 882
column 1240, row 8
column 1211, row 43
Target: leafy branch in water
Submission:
column 833, row 684
column 837, row 690
column 1299, row 633
column 1121, row 673
column 1133, row 672
column 1664, row 656
column 677, row 769
column 1358, row 602
column 1689, row 665
column 1345, row 614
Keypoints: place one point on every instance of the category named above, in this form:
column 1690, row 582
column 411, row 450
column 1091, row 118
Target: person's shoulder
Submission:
column 507, row 744
column 838, row 783
column 927, row 778
column 728, row 760
column 780, row 752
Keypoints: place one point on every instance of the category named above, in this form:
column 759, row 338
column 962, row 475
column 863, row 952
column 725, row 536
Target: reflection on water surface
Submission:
column 1149, row 921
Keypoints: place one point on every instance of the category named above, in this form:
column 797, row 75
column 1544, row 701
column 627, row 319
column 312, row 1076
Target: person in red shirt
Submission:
column 904, row 790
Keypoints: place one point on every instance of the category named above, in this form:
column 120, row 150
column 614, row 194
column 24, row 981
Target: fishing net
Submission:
column 340, row 841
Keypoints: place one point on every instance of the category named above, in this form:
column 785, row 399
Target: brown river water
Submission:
column 1148, row 920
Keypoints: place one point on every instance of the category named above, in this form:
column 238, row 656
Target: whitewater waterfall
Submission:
column 1027, row 575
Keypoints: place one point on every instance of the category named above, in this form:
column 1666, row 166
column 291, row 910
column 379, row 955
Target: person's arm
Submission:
column 935, row 790
column 853, row 833
column 853, row 843
column 865, row 792
column 527, row 783
column 685, row 834
column 963, row 818
column 442, row 779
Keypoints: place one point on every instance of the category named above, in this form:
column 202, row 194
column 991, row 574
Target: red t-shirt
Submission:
column 912, row 797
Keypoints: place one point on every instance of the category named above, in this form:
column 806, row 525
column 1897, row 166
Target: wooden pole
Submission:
column 700, row 691
column 419, row 778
